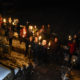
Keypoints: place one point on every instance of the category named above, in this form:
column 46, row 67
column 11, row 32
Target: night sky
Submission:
column 63, row 17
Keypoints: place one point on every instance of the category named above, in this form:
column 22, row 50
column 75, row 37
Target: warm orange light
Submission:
column 35, row 26
column 10, row 20
column 15, row 21
column 4, row 20
column 29, row 46
column 37, row 33
column 56, row 40
column 33, row 32
column 48, row 25
column 30, row 27
column 30, row 38
column 75, row 36
column 15, row 34
column 42, row 26
column 44, row 42
column 36, row 40
column 49, row 44
column 39, row 43
column 40, row 37
column 24, row 32
column 70, row 37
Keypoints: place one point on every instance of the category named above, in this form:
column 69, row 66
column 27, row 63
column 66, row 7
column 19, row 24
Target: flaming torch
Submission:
column 49, row 44
column 39, row 38
column 4, row 21
column 24, row 32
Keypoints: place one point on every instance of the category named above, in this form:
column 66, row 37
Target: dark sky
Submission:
column 44, row 12
column 63, row 16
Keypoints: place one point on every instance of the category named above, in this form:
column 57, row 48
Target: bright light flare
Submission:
column 15, row 21
column 4, row 20
column 40, row 37
column 49, row 44
column 30, row 27
column 24, row 32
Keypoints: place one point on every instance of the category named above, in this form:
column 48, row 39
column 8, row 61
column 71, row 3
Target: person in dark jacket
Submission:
column 10, row 35
column 26, row 44
column 77, row 41
column 30, row 48
column 72, row 48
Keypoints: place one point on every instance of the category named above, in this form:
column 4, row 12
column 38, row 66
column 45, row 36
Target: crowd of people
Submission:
column 40, row 42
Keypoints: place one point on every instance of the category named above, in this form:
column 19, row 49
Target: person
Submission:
column 10, row 36
column 30, row 48
column 28, row 42
column 77, row 41
column 19, row 75
column 26, row 45
column 29, row 72
column 18, row 30
column 0, row 20
column 72, row 46
column 24, row 72
column 23, row 34
column 6, row 32
column 35, row 49
column 44, row 54
column 48, row 30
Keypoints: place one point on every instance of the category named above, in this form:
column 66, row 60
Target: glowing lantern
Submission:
column 49, row 44
column 4, row 20
column 15, row 21
column 40, row 37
